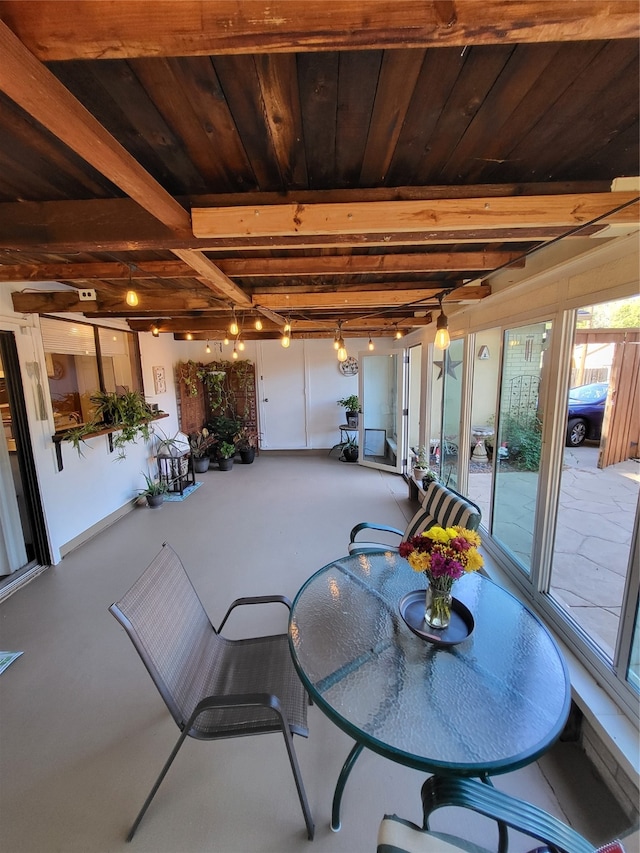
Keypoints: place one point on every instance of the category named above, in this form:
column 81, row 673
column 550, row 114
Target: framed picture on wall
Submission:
column 159, row 380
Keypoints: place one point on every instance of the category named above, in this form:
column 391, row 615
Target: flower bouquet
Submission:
column 444, row 555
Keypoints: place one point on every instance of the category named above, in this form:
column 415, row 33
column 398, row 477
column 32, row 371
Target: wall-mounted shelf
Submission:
column 59, row 437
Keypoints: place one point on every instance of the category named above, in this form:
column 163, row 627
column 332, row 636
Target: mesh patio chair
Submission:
column 213, row 687
column 396, row 835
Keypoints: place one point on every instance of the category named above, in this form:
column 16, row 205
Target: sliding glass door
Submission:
column 381, row 391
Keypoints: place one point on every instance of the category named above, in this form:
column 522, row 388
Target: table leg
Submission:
column 347, row 767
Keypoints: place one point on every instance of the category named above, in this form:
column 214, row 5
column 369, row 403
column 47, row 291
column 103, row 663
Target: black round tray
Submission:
column 459, row 628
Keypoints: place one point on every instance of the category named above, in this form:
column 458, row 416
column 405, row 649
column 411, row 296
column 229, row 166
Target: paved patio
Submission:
column 595, row 527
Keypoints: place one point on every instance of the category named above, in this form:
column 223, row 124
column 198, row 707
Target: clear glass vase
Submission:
column 437, row 612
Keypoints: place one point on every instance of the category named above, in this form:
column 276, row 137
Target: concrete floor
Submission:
column 84, row 733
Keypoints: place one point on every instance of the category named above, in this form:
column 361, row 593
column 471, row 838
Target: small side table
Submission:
column 346, row 432
column 176, row 472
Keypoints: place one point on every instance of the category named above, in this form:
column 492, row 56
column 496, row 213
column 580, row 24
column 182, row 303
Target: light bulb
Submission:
column 233, row 328
column 336, row 344
column 371, row 347
column 226, row 341
column 132, row 298
column 287, row 328
column 241, row 346
column 207, row 349
column 189, row 336
column 258, row 325
column 285, row 341
column 155, row 331
column 234, row 354
column 398, row 334
column 342, row 353
column 442, row 340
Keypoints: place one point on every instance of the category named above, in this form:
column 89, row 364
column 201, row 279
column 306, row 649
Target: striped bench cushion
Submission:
column 445, row 507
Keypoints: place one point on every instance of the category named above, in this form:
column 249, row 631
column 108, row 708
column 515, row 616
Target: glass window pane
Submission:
column 519, row 440
column 72, row 370
column 486, row 374
column 119, row 361
column 452, row 363
column 599, row 481
column 633, row 672
column 413, row 396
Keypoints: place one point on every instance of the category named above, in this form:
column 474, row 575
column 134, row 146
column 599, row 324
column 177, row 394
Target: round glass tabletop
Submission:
column 487, row 705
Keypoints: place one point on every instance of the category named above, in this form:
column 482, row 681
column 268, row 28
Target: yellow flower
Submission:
column 419, row 561
column 474, row 561
column 439, row 534
column 470, row 535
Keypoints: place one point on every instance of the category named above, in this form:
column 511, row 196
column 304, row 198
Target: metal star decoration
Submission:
column 447, row 364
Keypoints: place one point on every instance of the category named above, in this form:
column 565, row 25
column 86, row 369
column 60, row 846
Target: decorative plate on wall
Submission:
column 348, row 367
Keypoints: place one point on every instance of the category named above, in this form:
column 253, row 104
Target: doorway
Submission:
column 23, row 543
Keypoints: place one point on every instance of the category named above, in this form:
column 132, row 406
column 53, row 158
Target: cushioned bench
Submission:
column 440, row 505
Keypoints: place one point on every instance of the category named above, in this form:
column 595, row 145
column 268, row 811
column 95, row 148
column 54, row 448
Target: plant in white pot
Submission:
column 421, row 463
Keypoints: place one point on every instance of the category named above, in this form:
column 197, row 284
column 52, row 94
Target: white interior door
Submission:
column 282, row 401
column 381, row 392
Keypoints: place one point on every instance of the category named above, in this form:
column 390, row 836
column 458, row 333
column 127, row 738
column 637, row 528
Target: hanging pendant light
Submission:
column 342, row 350
column 258, row 325
column 398, row 334
column 226, row 340
column 207, row 349
column 234, row 354
column 189, row 336
column 241, row 345
column 132, row 296
column 442, row 339
column 155, row 329
column 233, row 326
column 371, row 346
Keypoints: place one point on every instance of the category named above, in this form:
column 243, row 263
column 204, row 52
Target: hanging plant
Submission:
column 214, row 380
column 187, row 372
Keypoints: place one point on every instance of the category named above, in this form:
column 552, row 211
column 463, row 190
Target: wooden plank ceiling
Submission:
column 349, row 162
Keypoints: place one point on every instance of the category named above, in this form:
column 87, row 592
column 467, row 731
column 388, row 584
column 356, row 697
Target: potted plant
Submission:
column 421, row 463
column 226, row 452
column 352, row 406
column 200, row 443
column 154, row 491
column 246, row 442
column 129, row 413
column 350, row 449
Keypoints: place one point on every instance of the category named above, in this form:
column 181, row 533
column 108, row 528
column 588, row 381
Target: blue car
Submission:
column 585, row 413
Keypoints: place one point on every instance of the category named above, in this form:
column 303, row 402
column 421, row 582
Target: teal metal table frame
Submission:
column 488, row 705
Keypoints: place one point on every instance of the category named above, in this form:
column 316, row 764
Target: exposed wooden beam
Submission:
column 34, row 88
column 73, row 29
column 116, row 225
column 221, row 324
column 213, row 277
column 268, row 267
column 364, row 299
column 157, row 302
column 446, row 214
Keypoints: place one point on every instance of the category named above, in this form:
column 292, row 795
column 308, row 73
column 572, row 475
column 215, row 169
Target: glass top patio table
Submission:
column 488, row 705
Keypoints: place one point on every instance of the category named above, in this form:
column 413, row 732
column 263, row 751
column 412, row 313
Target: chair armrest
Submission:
column 366, row 525
column 255, row 599
column 439, row 791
